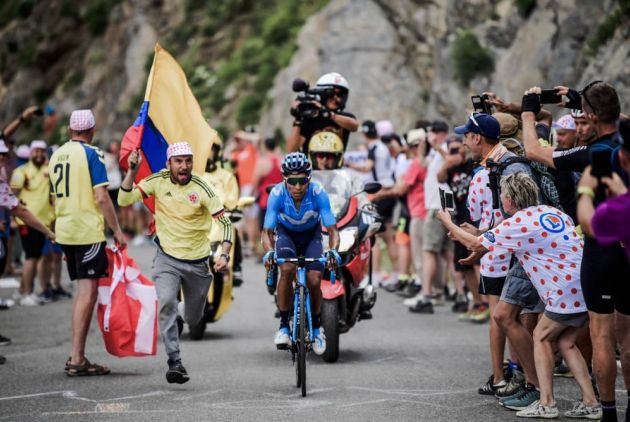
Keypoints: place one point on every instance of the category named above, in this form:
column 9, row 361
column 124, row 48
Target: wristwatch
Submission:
column 226, row 256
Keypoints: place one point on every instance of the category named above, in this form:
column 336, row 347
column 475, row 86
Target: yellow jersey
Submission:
column 224, row 184
column 75, row 169
column 183, row 214
column 34, row 185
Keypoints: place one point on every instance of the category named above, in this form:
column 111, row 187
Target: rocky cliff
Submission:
column 404, row 59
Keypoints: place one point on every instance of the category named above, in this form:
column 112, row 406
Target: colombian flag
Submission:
column 170, row 113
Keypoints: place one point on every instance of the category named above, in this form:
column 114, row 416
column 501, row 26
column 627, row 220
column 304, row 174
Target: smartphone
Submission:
column 479, row 104
column 601, row 163
column 442, row 200
column 449, row 201
column 453, row 151
column 550, row 96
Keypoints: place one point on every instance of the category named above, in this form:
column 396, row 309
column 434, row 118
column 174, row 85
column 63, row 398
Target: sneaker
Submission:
column 411, row 289
column 481, row 316
column 46, row 296
column 438, row 300
column 393, row 287
column 4, row 341
column 460, row 307
column 511, row 388
column 319, row 341
column 6, row 303
column 61, row 293
column 29, row 300
column 424, row 307
column 580, row 410
column 528, row 395
column 489, row 388
column 282, row 340
column 537, row 410
column 412, row 301
column 176, row 372
column 562, row 370
column 237, row 278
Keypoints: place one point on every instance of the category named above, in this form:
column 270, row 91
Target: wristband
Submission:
column 530, row 103
column 585, row 190
column 575, row 100
column 297, row 123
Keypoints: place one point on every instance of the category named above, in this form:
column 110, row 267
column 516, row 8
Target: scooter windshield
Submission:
column 338, row 185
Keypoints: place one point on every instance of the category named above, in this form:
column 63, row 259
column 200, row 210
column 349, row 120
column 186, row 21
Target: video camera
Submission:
column 494, row 176
column 306, row 108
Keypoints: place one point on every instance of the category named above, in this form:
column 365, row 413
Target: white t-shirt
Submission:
column 546, row 244
column 402, row 165
column 113, row 171
column 480, row 208
column 431, row 184
column 383, row 164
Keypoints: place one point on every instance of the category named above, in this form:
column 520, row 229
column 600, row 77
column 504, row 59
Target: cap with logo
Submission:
column 482, row 124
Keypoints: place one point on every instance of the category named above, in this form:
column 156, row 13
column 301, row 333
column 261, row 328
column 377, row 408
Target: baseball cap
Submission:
column 508, row 125
column 178, row 149
column 38, row 144
column 384, row 128
column 482, row 124
column 438, row 126
column 414, row 136
column 565, row 122
column 81, row 120
column 368, row 127
column 23, row 152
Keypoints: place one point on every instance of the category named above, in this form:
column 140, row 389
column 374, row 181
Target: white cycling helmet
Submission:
column 575, row 113
column 335, row 80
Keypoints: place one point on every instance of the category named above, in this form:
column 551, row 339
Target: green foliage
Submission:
column 97, row 15
column 605, row 31
column 74, row 80
column 248, row 110
column 470, row 58
column 525, row 7
column 15, row 9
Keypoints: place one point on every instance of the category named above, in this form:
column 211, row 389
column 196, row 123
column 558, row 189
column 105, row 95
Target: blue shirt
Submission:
column 315, row 206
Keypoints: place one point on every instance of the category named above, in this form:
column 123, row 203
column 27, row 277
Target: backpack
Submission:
column 545, row 181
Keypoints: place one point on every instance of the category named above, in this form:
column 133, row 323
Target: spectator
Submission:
column 584, row 130
column 267, row 173
column 602, row 266
column 379, row 166
column 566, row 136
column 545, row 242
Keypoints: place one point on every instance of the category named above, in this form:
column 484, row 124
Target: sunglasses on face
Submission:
column 294, row 181
column 325, row 155
column 583, row 93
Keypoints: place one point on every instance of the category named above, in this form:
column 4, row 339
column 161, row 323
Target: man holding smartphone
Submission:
column 605, row 271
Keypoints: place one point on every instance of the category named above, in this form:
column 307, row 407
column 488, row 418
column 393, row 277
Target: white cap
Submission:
column 23, row 152
column 178, row 149
column 3, row 147
column 414, row 136
column 81, row 120
column 384, row 128
column 39, row 144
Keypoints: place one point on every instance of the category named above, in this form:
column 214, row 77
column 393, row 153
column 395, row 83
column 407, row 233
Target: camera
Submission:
column 307, row 96
column 480, row 104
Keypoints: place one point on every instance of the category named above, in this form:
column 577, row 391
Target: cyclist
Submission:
column 294, row 211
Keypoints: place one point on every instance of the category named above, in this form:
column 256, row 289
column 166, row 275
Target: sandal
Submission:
column 85, row 369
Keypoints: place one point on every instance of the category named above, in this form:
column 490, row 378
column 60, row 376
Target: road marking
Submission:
column 417, row 393
column 69, row 394
column 111, row 407
column 28, row 396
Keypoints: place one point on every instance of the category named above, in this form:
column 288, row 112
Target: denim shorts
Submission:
column 518, row 290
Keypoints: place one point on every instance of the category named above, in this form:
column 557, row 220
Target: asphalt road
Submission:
column 397, row 367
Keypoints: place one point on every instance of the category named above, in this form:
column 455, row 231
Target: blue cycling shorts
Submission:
column 291, row 244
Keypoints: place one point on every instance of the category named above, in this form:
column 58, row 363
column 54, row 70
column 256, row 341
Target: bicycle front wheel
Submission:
column 302, row 342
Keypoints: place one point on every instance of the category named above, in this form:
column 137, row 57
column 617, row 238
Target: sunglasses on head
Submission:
column 583, row 94
column 325, row 155
column 294, row 181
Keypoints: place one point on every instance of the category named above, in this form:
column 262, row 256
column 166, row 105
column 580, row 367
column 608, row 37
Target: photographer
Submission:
column 319, row 109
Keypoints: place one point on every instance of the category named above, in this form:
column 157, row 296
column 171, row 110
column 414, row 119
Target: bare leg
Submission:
column 622, row 324
column 82, row 308
column 544, row 335
column 472, row 281
column 404, row 259
column 572, row 356
column 586, row 347
column 28, row 276
column 43, row 271
column 429, row 271
column 285, row 286
column 56, row 269
column 603, row 338
column 497, row 342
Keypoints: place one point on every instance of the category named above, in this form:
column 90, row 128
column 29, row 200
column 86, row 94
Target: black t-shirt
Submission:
column 312, row 126
column 578, row 158
column 566, row 183
column 459, row 178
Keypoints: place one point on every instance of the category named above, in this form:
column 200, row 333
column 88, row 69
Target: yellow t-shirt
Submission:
column 34, row 185
column 75, row 169
column 183, row 213
column 224, row 184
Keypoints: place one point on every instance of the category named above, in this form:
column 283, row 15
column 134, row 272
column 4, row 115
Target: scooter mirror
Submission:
column 372, row 187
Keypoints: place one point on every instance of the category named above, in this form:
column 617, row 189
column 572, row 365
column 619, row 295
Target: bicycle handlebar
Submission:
column 323, row 260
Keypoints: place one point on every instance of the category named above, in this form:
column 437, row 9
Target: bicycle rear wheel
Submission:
column 302, row 342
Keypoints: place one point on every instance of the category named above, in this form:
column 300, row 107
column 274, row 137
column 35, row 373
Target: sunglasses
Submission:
column 294, row 181
column 583, row 94
column 325, row 155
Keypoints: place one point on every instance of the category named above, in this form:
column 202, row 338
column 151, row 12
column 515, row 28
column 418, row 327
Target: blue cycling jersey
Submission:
column 315, row 205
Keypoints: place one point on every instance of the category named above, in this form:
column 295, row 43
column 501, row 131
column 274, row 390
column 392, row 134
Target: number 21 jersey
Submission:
column 75, row 169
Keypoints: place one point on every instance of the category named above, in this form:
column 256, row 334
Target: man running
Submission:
column 296, row 211
column 184, row 209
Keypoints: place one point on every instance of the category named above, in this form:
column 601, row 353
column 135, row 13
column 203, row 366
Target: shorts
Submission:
column 385, row 208
column 435, row 234
column 291, row 244
column 492, row 286
column 518, row 290
column 50, row 247
column 113, row 195
column 402, row 233
column 32, row 242
column 461, row 252
column 570, row 320
column 86, row 261
column 605, row 278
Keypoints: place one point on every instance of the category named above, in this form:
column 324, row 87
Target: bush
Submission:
column 97, row 15
column 248, row 110
column 605, row 31
column 525, row 7
column 470, row 58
